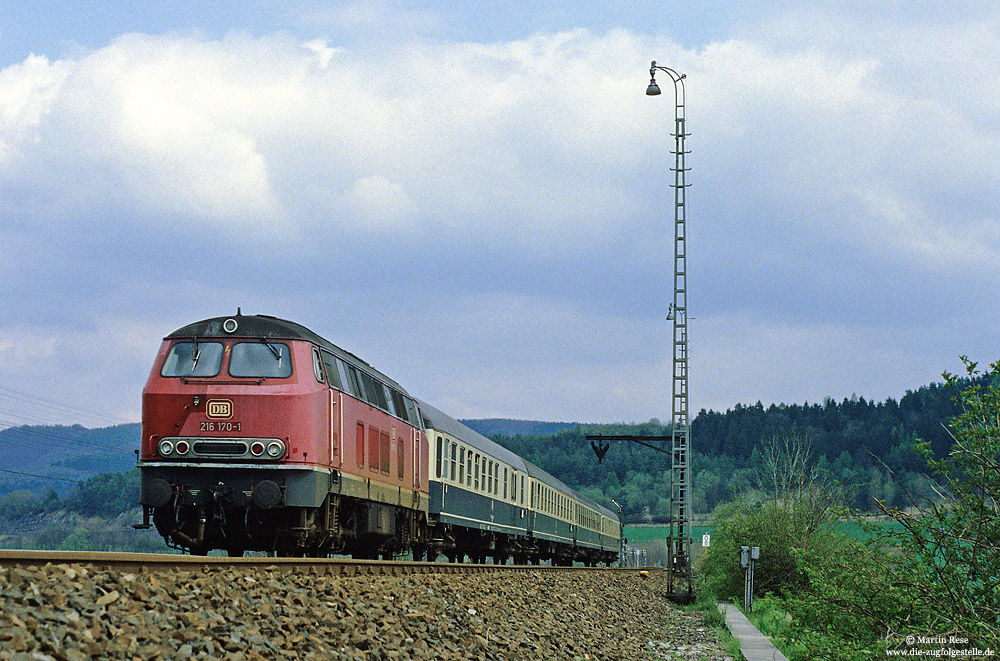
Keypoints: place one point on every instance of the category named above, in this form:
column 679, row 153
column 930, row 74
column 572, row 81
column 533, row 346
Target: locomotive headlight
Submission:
column 275, row 449
column 256, row 448
column 166, row 448
column 182, row 447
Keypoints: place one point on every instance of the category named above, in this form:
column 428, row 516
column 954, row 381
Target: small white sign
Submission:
column 705, row 540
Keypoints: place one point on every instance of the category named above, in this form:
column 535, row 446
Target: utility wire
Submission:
column 44, row 477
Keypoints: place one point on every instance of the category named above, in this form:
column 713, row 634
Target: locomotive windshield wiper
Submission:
column 273, row 349
column 197, row 354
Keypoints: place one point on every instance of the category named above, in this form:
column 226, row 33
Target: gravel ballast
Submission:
column 75, row 612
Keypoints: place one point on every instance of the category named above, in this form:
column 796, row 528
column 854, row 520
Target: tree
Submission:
column 936, row 571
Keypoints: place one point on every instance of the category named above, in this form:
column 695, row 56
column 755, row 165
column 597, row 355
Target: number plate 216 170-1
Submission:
column 221, row 426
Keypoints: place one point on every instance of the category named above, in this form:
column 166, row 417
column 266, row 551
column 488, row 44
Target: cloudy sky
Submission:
column 475, row 196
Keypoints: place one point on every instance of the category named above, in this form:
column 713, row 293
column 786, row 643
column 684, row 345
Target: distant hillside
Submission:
column 40, row 458
column 508, row 427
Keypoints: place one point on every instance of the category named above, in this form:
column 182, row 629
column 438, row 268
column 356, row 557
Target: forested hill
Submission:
column 509, row 427
column 851, row 440
column 855, row 426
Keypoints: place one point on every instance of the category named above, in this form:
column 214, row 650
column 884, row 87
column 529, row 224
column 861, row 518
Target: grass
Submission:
column 641, row 534
column 645, row 534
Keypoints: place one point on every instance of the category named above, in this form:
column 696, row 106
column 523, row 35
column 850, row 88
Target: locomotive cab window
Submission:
column 260, row 359
column 193, row 359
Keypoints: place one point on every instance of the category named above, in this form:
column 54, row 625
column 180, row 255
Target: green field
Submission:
column 646, row 534
column 643, row 534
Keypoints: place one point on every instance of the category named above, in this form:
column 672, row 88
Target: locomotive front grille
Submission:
column 220, row 448
column 257, row 449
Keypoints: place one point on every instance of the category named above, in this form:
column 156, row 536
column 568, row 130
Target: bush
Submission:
column 794, row 518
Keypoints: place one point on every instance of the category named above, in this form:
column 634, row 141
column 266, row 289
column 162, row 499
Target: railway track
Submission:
column 154, row 562
column 81, row 605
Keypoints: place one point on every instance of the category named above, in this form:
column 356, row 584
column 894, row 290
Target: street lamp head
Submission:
column 653, row 88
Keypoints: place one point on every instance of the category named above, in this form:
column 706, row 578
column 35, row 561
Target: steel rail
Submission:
column 157, row 562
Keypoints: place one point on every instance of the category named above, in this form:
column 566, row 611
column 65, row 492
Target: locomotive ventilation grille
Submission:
column 267, row 449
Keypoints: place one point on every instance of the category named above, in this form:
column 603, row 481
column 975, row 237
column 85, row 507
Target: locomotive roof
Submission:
column 271, row 328
column 255, row 326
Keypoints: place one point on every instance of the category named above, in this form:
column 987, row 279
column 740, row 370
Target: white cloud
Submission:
column 520, row 192
column 381, row 204
column 27, row 91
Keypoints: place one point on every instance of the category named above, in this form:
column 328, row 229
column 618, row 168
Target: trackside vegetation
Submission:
column 928, row 581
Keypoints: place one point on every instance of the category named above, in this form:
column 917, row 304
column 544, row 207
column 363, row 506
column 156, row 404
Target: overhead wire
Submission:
column 42, row 410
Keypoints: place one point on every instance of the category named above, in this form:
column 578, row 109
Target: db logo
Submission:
column 219, row 409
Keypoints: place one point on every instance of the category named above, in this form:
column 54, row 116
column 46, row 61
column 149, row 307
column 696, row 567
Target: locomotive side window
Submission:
column 317, row 365
column 349, row 376
column 193, row 359
column 260, row 359
column 332, row 373
column 411, row 412
column 401, row 451
column 399, row 404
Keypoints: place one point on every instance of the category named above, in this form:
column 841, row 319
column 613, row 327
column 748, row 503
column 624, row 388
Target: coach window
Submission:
column 440, row 451
column 475, row 472
column 451, row 473
column 461, row 466
column 260, row 359
column 193, row 359
column 505, row 483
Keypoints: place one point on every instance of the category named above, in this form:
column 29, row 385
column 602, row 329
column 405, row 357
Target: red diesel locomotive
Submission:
column 242, row 452
column 258, row 434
